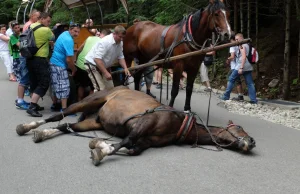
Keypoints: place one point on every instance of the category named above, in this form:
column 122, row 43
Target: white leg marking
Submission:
column 228, row 26
column 49, row 132
column 105, row 148
column 34, row 124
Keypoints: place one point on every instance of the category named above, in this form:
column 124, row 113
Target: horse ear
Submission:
column 230, row 122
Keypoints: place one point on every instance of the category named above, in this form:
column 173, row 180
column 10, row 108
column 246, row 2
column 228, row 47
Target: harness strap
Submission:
column 185, row 128
column 162, row 38
column 188, row 33
column 159, row 108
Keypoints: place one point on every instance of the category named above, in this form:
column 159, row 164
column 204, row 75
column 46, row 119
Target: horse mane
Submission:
column 211, row 8
column 196, row 19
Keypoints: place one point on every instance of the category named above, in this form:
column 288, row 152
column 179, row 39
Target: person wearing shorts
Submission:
column 38, row 66
column 19, row 67
column 63, row 58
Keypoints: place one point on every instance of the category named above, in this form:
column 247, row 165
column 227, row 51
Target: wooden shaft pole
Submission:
column 198, row 52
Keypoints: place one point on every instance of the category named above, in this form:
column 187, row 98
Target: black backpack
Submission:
column 28, row 46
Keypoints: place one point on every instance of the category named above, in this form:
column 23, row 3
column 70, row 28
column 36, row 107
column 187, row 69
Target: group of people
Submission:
column 239, row 65
column 89, row 67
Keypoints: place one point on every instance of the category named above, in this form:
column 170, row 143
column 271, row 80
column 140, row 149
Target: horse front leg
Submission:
column 177, row 72
column 189, row 90
column 137, row 79
column 102, row 149
column 83, row 126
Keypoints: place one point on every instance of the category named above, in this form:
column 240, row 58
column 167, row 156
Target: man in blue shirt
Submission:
column 63, row 58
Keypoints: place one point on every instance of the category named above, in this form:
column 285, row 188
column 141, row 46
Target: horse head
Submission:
column 218, row 18
column 235, row 136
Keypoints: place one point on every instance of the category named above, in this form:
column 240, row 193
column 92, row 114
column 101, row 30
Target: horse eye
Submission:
column 216, row 14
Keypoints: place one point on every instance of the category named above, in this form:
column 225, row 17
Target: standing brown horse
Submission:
column 141, row 121
column 145, row 40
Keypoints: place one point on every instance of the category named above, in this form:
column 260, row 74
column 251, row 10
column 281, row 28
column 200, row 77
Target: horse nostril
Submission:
column 252, row 141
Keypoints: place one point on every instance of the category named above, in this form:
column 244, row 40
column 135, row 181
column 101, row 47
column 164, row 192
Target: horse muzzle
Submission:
column 246, row 144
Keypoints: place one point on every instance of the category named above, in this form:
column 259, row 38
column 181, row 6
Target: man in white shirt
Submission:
column 102, row 56
column 233, row 51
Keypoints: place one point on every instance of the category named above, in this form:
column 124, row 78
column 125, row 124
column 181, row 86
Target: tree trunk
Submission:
column 286, row 63
column 241, row 16
column 256, row 44
column 298, row 62
column 249, row 18
column 235, row 19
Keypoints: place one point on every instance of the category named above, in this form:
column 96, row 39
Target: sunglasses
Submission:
column 73, row 25
column 14, row 24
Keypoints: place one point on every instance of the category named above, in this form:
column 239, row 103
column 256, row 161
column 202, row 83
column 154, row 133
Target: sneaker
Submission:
column 27, row 93
column 150, row 94
column 222, row 97
column 207, row 90
column 33, row 112
column 154, row 83
column 56, row 107
column 23, row 105
column 142, row 84
column 239, row 98
column 16, row 102
column 39, row 108
column 252, row 102
column 158, row 86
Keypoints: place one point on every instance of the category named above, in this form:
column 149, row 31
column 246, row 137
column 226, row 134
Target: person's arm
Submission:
column 4, row 38
column 80, row 49
column 69, row 48
column 102, row 68
column 123, row 64
column 232, row 56
column 100, row 52
column 243, row 59
column 211, row 53
column 71, row 65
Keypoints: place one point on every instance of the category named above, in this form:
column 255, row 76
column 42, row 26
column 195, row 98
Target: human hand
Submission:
column 240, row 71
column 107, row 75
column 74, row 69
column 127, row 72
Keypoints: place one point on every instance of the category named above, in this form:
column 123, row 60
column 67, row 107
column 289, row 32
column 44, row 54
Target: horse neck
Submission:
column 203, row 32
column 200, row 135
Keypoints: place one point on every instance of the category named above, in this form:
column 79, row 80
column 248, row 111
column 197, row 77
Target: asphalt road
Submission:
column 62, row 164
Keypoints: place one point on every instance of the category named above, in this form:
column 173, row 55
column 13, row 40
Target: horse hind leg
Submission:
column 86, row 125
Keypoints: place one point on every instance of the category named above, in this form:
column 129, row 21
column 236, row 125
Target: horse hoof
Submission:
column 21, row 130
column 37, row 136
column 93, row 142
column 96, row 156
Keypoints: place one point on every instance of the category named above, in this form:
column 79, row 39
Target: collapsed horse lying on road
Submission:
column 141, row 121
column 147, row 40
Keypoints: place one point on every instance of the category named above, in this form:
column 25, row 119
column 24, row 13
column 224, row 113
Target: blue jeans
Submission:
column 250, row 84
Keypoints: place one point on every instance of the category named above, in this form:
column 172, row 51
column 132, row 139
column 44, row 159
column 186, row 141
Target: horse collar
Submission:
column 188, row 32
column 185, row 128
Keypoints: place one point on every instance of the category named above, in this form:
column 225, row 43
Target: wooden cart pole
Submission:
column 199, row 52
